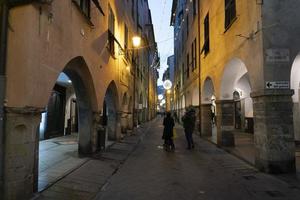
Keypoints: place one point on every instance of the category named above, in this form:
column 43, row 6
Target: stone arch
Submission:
column 79, row 73
column 111, row 107
column 234, row 70
column 208, row 109
column 208, row 90
column 295, row 85
column 79, row 76
column 295, row 78
column 238, row 112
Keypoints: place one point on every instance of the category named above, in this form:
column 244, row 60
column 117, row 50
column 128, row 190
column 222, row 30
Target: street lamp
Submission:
column 136, row 41
column 167, row 84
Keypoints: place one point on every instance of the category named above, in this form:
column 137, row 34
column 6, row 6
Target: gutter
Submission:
column 3, row 51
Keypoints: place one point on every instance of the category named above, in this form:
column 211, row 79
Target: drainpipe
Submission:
column 199, row 68
column 3, row 50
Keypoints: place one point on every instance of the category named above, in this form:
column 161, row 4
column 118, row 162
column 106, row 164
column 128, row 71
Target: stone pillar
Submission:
column 129, row 121
column 94, row 135
column 273, row 131
column 118, row 126
column 206, row 120
column 124, row 122
column 225, row 118
column 21, row 152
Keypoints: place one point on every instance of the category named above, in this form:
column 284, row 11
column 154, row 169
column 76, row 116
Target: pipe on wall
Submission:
column 3, row 51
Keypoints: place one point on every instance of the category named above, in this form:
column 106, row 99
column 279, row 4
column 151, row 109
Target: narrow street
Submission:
column 143, row 170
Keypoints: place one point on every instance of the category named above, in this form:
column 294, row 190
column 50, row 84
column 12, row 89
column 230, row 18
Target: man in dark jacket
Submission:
column 168, row 132
column 189, row 121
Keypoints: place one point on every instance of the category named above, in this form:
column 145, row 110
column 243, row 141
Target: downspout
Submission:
column 199, row 70
column 3, row 51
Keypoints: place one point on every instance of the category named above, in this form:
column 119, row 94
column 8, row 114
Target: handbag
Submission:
column 174, row 134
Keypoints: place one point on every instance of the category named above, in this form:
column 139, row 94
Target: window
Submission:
column 230, row 12
column 84, row 6
column 182, row 73
column 194, row 54
column 206, row 35
column 111, row 21
column 187, row 66
column 125, row 37
column 111, row 31
column 126, row 41
column 187, row 25
column 194, row 8
column 132, row 9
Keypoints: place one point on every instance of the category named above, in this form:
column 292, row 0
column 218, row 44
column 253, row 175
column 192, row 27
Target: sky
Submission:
column 161, row 15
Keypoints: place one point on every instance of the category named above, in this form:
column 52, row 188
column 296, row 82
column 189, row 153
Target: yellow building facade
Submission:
column 246, row 54
column 89, row 41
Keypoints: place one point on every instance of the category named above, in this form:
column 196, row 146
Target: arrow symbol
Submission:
column 269, row 84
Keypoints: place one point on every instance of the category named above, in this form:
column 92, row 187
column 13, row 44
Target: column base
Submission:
column 21, row 152
column 276, row 167
column 206, row 123
column 273, row 131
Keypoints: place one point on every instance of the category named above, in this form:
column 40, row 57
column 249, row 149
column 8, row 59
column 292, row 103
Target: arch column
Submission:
column 21, row 152
column 224, row 118
column 274, row 139
column 118, row 125
column 129, row 121
column 124, row 122
column 96, row 126
column 206, row 125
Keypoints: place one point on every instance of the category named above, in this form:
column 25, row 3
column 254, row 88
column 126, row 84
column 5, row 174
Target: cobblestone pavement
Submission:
column 138, row 168
column 206, row 173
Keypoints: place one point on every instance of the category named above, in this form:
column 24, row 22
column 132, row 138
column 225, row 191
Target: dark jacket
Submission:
column 168, row 128
column 189, row 121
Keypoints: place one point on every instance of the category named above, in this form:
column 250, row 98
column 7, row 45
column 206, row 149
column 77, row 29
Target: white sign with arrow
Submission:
column 278, row 85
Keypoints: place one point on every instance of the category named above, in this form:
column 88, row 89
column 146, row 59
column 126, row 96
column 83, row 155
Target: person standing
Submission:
column 168, row 132
column 189, row 121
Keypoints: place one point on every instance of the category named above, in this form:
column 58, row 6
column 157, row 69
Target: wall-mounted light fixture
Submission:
column 259, row 2
column 136, row 41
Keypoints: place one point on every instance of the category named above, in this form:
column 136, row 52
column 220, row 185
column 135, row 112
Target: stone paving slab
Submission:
column 131, row 140
column 92, row 176
column 122, row 146
column 206, row 172
column 149, row 173
column 115, row 155
column 83, row 183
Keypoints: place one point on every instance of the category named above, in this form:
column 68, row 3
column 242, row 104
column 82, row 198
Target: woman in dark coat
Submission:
column 168, row 132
